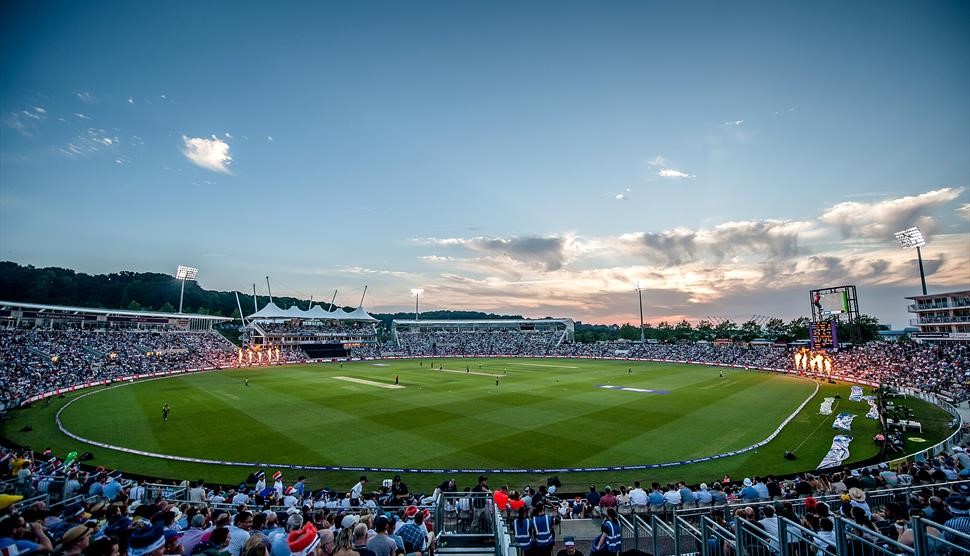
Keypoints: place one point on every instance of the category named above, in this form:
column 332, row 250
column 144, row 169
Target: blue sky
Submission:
column 537, row 158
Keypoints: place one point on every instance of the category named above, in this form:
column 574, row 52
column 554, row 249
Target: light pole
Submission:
column 913, row 237
column 185, row 273
column 640, row 294
column 416, row 292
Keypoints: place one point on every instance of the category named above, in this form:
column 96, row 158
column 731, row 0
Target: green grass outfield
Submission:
column 544, row 413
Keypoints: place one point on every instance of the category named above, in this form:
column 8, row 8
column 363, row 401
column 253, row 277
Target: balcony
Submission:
column 913, row 307
column 950, row 319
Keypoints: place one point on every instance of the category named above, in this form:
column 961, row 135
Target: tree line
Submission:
column 152, row 291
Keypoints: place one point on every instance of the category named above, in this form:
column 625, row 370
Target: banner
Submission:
column 873, row 407
column 843, row 421
column 838, row 453
column 826, row 408
column 856, row 394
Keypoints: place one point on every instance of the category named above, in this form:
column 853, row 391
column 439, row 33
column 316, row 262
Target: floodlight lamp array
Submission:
column 910, row 237
column 186, row 273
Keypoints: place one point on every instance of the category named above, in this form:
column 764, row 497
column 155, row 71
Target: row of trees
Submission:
column 153, row 291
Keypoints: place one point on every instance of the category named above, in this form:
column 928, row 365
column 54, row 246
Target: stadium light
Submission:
column 640, row 294
column 913, row 237
column 416, row 292
column 185, row 273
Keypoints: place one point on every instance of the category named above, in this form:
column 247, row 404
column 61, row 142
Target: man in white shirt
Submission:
column 638, row 498
column 239, row 533
column 357, row 491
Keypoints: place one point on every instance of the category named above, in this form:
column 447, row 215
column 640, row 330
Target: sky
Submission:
column 537, row 158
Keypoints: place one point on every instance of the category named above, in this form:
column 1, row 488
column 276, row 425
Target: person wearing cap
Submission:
column 959, row 506
column 399, row 491
column 749, row 494
column 193, row 536
column 279, row 545
column 569, row 548
column 278, row 485
column 381, row 544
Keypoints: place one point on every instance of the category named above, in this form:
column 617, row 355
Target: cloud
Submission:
column 81, row 116
column 770, row 239
column 25, row 122
column 228, row 135
column 964, row 211
column 658, row 160
column 882, row 218
column 269, row 138
column 85, row 96
column 674, row 247
column 736, row 122
column 90, row 141
column 211, row 154
column 131, row 100
column 546, row 253
column 620, row 197
column 671, row 173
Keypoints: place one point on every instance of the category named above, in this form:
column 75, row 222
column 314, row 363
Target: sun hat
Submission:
column 146, row 540
column 349, row 521
column 857, row 494
column 747, row 482
column 278, row 475
column 958, row 504
column 74, row 535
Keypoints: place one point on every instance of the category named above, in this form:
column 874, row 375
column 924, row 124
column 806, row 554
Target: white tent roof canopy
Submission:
column 273, row 312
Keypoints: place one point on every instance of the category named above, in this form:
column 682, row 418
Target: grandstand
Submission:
column 480, row 337
column 911, row 506
column 321, row 334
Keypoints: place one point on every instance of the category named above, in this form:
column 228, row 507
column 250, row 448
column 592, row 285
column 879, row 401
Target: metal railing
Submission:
column 750, row 538
column 875, row 498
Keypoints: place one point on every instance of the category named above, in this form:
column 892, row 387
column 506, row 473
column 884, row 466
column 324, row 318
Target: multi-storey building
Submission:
column 942, row 316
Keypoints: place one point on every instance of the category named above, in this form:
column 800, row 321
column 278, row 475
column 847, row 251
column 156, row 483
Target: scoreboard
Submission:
column 823, row 335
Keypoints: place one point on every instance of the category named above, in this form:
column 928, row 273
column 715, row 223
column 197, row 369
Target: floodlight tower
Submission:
column 640, row 294
column 185, row 273
column 416, row 292
column 913, row 237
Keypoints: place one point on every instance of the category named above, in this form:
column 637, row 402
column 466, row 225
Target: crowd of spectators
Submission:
column 35, row 361
column 937, row 368
column 283, row 517
column 479, row 342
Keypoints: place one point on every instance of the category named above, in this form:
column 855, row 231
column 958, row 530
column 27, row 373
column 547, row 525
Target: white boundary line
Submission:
column 169, row 457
